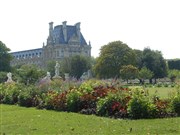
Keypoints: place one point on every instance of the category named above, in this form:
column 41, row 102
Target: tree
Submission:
column 129, row 72
column 173, row 74
column 51, row 67
column 174, row 64
column 155, row 62
column 112, row 57
column 76, row 65
column 93, row 63
column 5, row 58
column 79, row 64
column 3, row 77
column 139, row 57
column 66, row 65
column 29, row 74
column 145, row 73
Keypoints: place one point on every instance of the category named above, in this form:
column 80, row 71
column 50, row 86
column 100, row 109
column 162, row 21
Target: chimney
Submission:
column 50, row 28
column 50, row 37
column 78, row 30
column 65, row 30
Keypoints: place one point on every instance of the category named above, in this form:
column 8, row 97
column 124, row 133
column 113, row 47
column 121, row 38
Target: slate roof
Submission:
column 31, row 51
column 71, row 30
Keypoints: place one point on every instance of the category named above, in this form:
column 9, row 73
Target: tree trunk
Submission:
column 150, row 81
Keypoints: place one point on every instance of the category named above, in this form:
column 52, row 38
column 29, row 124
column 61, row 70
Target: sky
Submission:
column 24, row 24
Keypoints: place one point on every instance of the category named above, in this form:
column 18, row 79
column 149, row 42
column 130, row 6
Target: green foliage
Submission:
column 140, row 106
column 145, row 73
column 112, row 57
column 129, row 72
column 174, row 74
column 86, row 87
column 73, row 100
column 49, row 100
column 66, row 65
column 14, row 93
column 5, row 58
column 93, row 97
column 163, row 107
column 139, row 57
column 29, row 74
column 174, row 64
column 79, row 65
column 176, row 103
column 155, row 62
column 3, row 77
column 114, row 105
column 57, row 85
column 76, row 65
column 51, row 67
column 29, row 96
column 10, row 92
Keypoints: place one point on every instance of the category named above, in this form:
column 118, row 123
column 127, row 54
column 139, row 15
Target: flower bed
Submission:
column 92, row 97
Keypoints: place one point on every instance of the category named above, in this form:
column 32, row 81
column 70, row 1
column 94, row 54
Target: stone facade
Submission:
column 63, row 41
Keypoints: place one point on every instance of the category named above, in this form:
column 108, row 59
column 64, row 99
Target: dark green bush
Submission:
column 113, row 105
column 166, row 85
column 176, row 103
column 25, row 99
column 47, row 100
column 29, row 97
column 53, row 100
column 140, row 106
column 10, row 93
column 73, row 100
column 87, row 104
column 159, row 85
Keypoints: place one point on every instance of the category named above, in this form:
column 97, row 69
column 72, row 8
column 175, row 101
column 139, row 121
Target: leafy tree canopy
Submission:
column 139, row 57
column 76, row 65
column 155, row 62
column 145, row 73
column 174, row 64
column 29, row 74
column 112, row 57
column 5, row 58
column 174, row 74
column 129, row 72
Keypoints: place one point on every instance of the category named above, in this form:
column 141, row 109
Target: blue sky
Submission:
column 138, row 23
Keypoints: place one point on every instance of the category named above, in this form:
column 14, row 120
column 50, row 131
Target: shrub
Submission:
column 47, row 100
column 176, row 103
column 86, row 88
column 73, row 100
column 114, row 105
column 163, row 107
column 159, row 84
column 29, row 97
column 140, row 106
column 2, row 92
column 166, row 85
column 87, row 104
column 10, row 93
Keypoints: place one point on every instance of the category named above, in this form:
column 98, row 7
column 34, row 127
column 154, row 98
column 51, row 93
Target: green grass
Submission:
column 20, row 120
column 163, row 92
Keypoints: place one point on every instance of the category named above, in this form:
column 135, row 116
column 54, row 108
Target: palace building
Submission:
column 63, row 41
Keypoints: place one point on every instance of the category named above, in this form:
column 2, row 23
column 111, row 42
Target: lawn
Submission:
column 20, row 120
column 163, row 92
